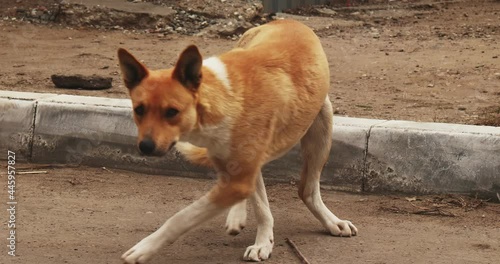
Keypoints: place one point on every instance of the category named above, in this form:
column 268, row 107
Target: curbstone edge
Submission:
column 367, row 154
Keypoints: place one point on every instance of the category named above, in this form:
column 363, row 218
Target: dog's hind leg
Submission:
column 315, row 147
column 236, row 219
column 264, row 241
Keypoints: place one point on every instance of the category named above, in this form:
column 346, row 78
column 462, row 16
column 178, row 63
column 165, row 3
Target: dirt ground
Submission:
column 436, row 63
column 93, row 215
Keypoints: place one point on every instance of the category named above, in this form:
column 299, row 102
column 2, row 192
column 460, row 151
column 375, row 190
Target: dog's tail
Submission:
column 194, row 154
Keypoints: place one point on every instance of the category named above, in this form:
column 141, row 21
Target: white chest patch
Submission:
column 216, row 138
column 218, row 67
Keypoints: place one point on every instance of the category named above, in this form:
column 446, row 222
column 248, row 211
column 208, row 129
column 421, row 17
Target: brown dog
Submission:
column 237, row 112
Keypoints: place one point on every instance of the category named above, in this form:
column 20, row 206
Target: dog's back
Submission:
column 286, row 80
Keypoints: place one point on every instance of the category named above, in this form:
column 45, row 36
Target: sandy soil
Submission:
column 424, row 63
column 438, row 63
column 92, row 215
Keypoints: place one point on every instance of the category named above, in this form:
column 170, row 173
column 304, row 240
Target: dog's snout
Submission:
column 147, row 146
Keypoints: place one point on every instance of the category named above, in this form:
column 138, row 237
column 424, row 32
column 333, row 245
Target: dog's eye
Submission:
column 139, row 110
column 171, row 112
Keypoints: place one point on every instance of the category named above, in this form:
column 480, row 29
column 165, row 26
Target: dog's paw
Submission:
column 142, row 252
column 236, row 221
column 258, row 252
column 342, row 228
column 234, row 226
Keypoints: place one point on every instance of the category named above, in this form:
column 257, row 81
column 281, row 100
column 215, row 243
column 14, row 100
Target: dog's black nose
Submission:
column 147, row 146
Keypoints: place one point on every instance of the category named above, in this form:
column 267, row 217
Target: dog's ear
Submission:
column 133, row 72
column 188, row 68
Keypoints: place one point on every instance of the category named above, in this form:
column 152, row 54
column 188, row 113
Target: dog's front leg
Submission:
column 225, row 194
column 186, row 219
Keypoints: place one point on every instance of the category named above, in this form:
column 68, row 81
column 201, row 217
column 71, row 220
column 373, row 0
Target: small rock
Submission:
column 462, row 108
column 430, row 85
column 79, row 81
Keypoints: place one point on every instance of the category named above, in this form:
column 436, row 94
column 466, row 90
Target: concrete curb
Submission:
column 367, row 154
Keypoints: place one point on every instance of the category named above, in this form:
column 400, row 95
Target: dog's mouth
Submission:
column 156, row 152
column 172, row 145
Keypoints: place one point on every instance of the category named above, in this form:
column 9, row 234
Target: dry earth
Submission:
column 92, row 215
column 403, row 60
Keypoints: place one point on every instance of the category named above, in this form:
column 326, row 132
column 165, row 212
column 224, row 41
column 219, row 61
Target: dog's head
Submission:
column 164, row 101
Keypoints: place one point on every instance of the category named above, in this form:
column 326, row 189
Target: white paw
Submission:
column 342, row 228
column 234, row 226
column 142, row 251
column 236, row 221
column 259, row 252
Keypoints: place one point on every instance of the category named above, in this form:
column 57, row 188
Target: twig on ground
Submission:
column 433, row 211
column 106, row 169
column 31, row 172
column 420, row 211
column 297, row 252
column 44, row 166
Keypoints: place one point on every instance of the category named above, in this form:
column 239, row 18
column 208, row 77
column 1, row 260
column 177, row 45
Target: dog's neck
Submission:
column 217, row 99
column 217, row 106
